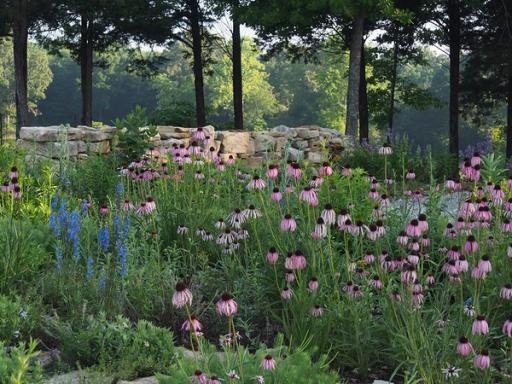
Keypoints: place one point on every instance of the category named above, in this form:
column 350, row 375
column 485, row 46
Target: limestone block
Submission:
column 235, row 142
column 171, row 132
column 94, row 135
column 255, row 161
column 51, row 133
column 263, row 142
column 314, row 157
column 295, row 154
column 307, row 132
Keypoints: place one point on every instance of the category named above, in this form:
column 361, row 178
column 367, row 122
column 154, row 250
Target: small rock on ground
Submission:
column 146, row 380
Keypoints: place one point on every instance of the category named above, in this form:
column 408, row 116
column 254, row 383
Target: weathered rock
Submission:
column 255, row 161
column 94, row 135
column 79, row 377
column 209, row 130
column 299, row 144
column 235, row 142
column 170, row 132
column 146, row 380
column 295, row 154
column 51, row 133
column 263, row 142
column 54, row 150
column 282, row 128
column 280, row 143
column 314, row 157
column 307, row 132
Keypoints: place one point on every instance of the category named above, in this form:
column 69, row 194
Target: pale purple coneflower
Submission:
column 408, row 274
column 464, row 347
column 431, row 280
column 226, row 306
column 482, row 360
column 328, row 215
column 276, row 195
column 506, row 226
column 13, row 173
column 395, row 295
column 369, row 258
column 484, row 264
column 320, row 230
column 288, row 224
column 376, row 282
column 454, row 253
column 103, row 210
column 316, row 182
column 220, row 224
column 385, row 150
column 294, row 171
column 290, row 277
column 231, row 160
column 410, row 175
column 237, row 217
column 199, row 378
column 181, row 296
column 425, row 241
column 182, row 229
column 471, row 244
column 226, row 237
column 252, row 212
column 272, row 256
column 417, row 298
column 325, row 169
column 288, row 189
column 317, row 311
column 268, row 363
column 462, row 264
column 478, row 274
column 208, row 236
column 272, row 171
column 413, row 258
column 343, row 217
column 507, row 327
column 309, row 196
column 506, row 292
column 127, row 206
column 414, row 245
column 286, row 293
column 256, row 183
column 402, row 239
column 192, row 324
column 199, row 175
column 373, row 194
column 346, row 171
column 313, row 284
column 480, row 326
column 413, row 229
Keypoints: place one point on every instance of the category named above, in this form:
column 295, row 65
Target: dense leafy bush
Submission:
column 17, row 320
column 115, row 345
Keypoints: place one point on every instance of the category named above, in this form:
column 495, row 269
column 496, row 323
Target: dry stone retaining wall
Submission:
column 309, row 142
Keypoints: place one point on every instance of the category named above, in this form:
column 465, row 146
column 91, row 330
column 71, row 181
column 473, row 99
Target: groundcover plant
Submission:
column 202, row 270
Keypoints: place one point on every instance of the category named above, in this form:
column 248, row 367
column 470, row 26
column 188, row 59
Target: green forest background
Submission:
column 276, row 91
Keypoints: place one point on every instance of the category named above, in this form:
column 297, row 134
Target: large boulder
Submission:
column 238, row 142
column 51, row 133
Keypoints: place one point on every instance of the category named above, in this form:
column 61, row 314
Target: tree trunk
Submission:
column 509, row 108
column 454, row 37
column 363, row 102
column 195, row 23
column 354, row 76
column 389, row 133
column 237, row 70
column 86, row 68
column 20, row 45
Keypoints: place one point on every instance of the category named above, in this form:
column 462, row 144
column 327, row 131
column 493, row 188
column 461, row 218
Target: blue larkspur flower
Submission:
column 104, row 238
column 90, row 268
